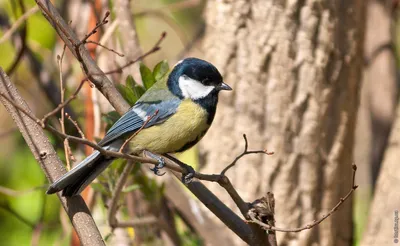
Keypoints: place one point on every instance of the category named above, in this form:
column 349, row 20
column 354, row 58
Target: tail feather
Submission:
column 73, row 182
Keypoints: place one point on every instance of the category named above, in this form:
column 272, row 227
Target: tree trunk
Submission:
column 295, row 67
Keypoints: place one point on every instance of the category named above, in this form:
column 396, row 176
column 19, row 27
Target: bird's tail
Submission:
column 74, row 181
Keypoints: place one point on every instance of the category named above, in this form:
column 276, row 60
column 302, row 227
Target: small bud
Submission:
column 43, row 155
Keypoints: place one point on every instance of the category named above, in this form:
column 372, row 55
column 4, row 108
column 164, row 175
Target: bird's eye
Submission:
column 206, row 81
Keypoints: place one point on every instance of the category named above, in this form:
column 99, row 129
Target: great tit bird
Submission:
column 181, row 105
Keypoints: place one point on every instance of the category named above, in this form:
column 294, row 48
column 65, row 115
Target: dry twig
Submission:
column 245, row 152
column 76, row 125
column 253, row 213
column 105, row 47
column 67, row 148
column 155, row 48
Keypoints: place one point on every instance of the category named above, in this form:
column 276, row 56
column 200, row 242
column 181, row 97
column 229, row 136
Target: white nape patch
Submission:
column 141, row 113
column 193, row 89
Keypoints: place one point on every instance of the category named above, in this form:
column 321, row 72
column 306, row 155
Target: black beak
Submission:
column 224, row 87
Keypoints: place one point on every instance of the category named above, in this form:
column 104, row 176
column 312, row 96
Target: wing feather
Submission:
column 131, row 121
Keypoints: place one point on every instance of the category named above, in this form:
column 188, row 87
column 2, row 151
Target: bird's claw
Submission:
column 188, row 176
column 159, row 165
column 156, row 171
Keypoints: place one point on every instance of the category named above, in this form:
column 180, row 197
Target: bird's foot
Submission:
column 187, row 177
column 157, row 167
column 188, row 174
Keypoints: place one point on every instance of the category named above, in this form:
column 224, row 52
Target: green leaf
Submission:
column 127, row 93
column 139, row 91
column 131, row 188
column 160, row 70
column 147, row 76
column 130, row 82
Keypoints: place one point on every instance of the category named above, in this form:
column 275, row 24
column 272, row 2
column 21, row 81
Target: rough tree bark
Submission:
column 295, row 67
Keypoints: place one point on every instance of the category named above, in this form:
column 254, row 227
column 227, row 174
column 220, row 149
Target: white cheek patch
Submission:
column 193, row 89
column 141, row 113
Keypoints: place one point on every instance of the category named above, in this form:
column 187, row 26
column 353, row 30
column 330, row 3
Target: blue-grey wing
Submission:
column 134, row 119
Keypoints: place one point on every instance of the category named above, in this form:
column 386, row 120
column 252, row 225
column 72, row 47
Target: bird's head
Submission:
column 195, row 79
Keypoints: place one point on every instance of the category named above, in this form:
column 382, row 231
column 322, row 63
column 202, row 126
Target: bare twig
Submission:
column 76, row 125
column 155, row 48
column 67, row 148
column 315, row 222
column 105, row 47
column 245, row 152
column 149, row 118
column 98, row 25
column 63, row 104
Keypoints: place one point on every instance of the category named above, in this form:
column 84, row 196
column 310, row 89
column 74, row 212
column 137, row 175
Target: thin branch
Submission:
column 67, row 148
column 63, row 104
column 253, row 214
column 105, row 47
column 76, row 125
column 155, row 48
column 245, row 152
column 98, row 25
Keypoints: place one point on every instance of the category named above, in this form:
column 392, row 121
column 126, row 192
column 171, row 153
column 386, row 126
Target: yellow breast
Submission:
column 188, row 124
